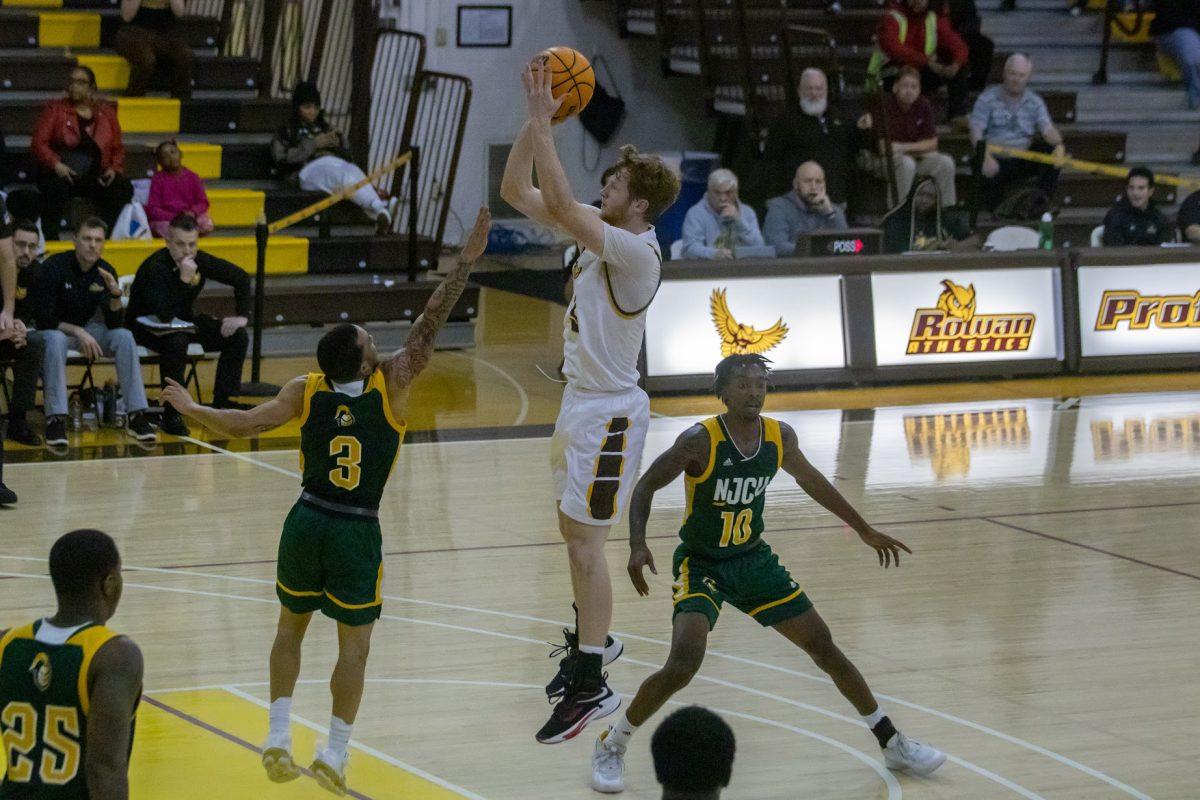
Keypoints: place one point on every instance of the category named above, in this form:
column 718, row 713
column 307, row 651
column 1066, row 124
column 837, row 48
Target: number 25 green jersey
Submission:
column 724, row 515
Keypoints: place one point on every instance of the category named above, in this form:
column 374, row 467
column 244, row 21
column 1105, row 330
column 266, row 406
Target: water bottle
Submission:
column 120, row 417
column 75, row 411
column 1046, row 232
column 108, row 405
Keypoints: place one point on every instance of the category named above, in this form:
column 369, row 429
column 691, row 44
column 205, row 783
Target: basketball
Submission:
column 573, row 77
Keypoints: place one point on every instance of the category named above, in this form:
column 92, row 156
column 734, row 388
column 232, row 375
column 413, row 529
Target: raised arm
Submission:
column 402, row 368
column 115, row 686
column 235, row 423
column 579, row 223
column 820, row 489
column 517, row 188
column 690, row 452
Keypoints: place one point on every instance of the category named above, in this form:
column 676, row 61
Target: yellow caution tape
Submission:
column 1092, row 167
column 334, row 199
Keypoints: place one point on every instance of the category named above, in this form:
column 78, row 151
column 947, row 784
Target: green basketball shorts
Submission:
column 753, row 582
column 332, row 563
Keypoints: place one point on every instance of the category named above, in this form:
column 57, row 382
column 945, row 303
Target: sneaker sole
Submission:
column 327, row 779
column 606, row 708
column 142, row 437
column 279, row 765
column 920, row 773
column 607, row 788
column 57, row 442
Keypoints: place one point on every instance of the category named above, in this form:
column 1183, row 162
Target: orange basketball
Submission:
column 572, row 76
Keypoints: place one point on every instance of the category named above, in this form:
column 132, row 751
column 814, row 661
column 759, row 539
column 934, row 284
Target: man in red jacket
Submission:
column 910, row 34
column 77, row 144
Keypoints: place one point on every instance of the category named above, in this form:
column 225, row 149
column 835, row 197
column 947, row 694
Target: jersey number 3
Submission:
column 348, row 451
column 61, row 750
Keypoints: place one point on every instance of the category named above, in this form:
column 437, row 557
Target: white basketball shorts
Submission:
column 596, row 452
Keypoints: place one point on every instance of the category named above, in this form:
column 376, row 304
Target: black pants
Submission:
column 27, row 363
column 152, row 51
column 1014, row 171
column 56, row 191
column 956, row 87
column 173, row 360
column 980, row 61
column 25, row 203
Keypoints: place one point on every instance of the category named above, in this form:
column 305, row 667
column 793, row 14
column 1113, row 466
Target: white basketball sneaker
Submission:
column 329, row 769
column 277, row 759
column 909, row 755
column 608, row 767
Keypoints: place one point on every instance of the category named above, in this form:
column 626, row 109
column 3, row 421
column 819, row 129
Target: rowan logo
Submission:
column 343, row 417
column 1140, row 312
column 953, row 326
column 40, row 670
column 740, row 339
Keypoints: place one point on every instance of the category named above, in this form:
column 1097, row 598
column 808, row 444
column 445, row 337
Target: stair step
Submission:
column 235, row 208
column 286, row 255
column 195, row 116
column 47, row 70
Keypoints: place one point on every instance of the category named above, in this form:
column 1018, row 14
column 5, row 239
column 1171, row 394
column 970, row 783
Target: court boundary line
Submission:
column 522, row 395
column 230, row 737
column 524, row 639
column 1093, row 548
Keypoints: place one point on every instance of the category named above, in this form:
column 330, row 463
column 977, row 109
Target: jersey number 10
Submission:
column 736, row 529
column 61, row 750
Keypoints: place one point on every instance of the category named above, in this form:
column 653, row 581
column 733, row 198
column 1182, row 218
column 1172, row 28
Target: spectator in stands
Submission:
column 910, row 33
column 693, row 752
column 912, row 128
column 805, row 209
column 1135, row 219
column 28, row 359
column 166, row 288
column 15, row 346
column 79, row 307
column 720, row 222
column 1189, row 219
column 924, row 222
column 1009, row 115
column 150, row 40
column 175, row 190
column 1176, row 31
column 77, row 144
column 322, row 157
column 964, row 18
column 818, row 133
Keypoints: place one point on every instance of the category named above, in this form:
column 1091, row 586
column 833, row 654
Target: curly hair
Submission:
column 731, row 364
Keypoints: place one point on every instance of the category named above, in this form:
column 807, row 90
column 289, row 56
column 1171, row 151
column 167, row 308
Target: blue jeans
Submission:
column 1182, row 46
column 117, row 344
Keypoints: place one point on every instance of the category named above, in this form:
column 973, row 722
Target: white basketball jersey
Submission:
column 606, row 318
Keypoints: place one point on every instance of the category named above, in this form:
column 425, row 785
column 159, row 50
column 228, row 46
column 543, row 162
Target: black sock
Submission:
column 884, row 731
column 588, row 671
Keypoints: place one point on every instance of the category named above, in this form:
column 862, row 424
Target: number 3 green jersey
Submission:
column 724, row 515
column 348, row 445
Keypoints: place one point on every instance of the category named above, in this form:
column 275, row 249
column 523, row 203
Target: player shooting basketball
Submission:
column 601, row 427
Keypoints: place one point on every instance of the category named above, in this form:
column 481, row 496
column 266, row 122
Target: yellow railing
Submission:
column 334, row 199
column 1092, row 167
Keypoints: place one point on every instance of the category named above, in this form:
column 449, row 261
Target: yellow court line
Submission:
column 196, row 749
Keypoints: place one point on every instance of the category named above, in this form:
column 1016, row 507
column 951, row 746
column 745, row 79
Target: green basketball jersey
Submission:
column 43, row 711
column 724, row 515
column 348, row 445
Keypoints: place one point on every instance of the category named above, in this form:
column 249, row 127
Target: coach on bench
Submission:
column 166, row 287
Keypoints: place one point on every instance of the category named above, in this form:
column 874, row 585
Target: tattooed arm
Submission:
column 285, row 406
column 402, row 368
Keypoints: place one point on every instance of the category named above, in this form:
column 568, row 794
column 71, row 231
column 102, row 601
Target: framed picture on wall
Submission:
column 484, row 26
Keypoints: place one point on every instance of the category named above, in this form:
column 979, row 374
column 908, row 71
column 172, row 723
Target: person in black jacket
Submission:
column 79, row 307
column 166, row 287
column 964, row 18
column 1135, row 219
column 21, row 344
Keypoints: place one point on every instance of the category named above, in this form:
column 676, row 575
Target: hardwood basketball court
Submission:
column 1043, row 632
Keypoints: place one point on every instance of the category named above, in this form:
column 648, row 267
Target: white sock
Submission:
column 281, row 718
column 620, row 732
column 873, row 719
column 587, row 648
column 339, row 735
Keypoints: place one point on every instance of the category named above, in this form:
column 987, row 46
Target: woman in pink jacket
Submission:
column 175, row 190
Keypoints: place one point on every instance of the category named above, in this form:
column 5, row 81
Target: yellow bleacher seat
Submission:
column 286, row 255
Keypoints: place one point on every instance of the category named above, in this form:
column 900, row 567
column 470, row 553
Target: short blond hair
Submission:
column 650, row 179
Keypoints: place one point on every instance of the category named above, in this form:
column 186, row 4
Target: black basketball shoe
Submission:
column 579, row 705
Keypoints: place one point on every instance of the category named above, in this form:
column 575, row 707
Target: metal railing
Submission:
column 1113, row 11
